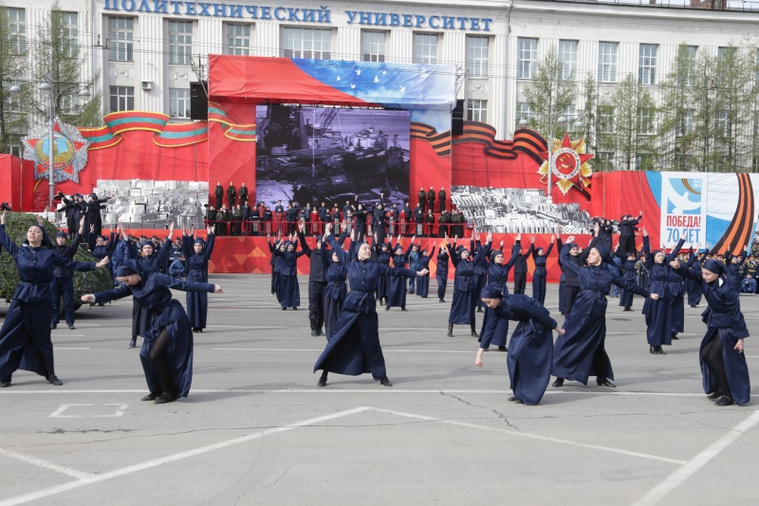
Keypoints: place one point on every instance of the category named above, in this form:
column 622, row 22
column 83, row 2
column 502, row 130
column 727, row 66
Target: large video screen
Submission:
column 316, row 154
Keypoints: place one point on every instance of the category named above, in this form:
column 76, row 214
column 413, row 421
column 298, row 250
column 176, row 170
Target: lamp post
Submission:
column 48, row 87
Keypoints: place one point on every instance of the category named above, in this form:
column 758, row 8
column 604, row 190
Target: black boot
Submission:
column 450, row 330
column 313, row 327
column 323, row 380
column 51, row 377
column 319, row 325
column 474, row 331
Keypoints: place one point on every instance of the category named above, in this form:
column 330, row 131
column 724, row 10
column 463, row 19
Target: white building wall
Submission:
column 548, row 21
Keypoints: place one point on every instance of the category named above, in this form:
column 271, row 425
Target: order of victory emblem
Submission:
column 569, row 164
column 69, row 152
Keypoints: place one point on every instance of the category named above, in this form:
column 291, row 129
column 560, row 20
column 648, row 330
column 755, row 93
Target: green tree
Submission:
column 588, row 113
column 550, row 95
column 12, row 117
column 676, row 132
column 634, row 111
column 60, row 63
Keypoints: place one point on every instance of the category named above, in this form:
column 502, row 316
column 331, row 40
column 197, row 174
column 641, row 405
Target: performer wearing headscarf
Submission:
column 197, row 253
column 661, row 314
column 495, row 330
column 151, row 263
column 396, row 285
column 441, row 273
column 354, row 348
column 540, row 257
column 167, row 349
column 423, row 283
column 627, row 271
column 580, row 352
column 383, row 254
column 724, row 370
column 25, row 334
column 288, row 289
column 529, row 358
column 62, row 285
column 462, row 305
column 694, row 287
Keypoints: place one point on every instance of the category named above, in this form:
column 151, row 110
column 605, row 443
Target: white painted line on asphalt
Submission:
column 533, row 436
column 70, row 348
column 28, row 459
column 679, row 476
column 383, row 390
column 89, row 479
column 319, row 350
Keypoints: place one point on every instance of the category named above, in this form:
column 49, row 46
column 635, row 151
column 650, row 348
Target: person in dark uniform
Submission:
column 421, row 199
column 520, row 266
column 219, row 194
column 571, row 285
column 288, row 289
column 441, row 200
column 430, row 201
column 660, row 313
column 540, row 258
column 531, row 350
column 462, row 305
column 317, row 279
column 92, row 210
column 197, row 254
column 150, row 263
column 354, row 348
column 75, row 209
column 243, row 194
column 495, row 330
column 396, row 285
column 441, row 273
column 25, row 334
column 62, row 285
column 443, row 223
column 580, row 352
column 231, row 195
column 167, row 350
column 724, row 371
column 627, row 228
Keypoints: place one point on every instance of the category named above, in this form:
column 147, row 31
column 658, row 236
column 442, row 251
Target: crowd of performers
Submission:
column 345, row 288
column 167, row 349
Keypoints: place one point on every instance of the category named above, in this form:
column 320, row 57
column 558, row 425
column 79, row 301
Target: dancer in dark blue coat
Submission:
column 396, row 285
column 495, row 330
column 441, row 273
column 580, row 352
column 382, row 251
column 627, row 271
column 661, row 314
column 540, row 257
column 462, row 305
column 167, row 349
column 336, row 290
column 151, row 262
column 354, row 348
column 197, row 253
column 529, row 359
column 694, row 287
column 288, row 289
column 25, row 334
column 724, row 370
column 423, row 283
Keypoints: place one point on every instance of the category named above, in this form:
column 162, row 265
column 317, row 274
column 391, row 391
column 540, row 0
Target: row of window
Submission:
column 17, row 32
column 310, row 43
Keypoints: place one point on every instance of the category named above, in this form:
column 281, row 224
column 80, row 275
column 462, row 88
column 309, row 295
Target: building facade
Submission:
column 147, row 52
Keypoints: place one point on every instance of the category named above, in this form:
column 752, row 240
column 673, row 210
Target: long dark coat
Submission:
column 531, row 349
column 151, row 264
column 165, row 313
column 496, row 330
column 539, row 274
column 354, row 348
column 197, row 270
column 724, row 320
column 580, row 352
column 462, row 305
column 25, row 334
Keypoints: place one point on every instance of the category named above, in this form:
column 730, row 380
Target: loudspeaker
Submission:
column 457, row 118
column 198, row 100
